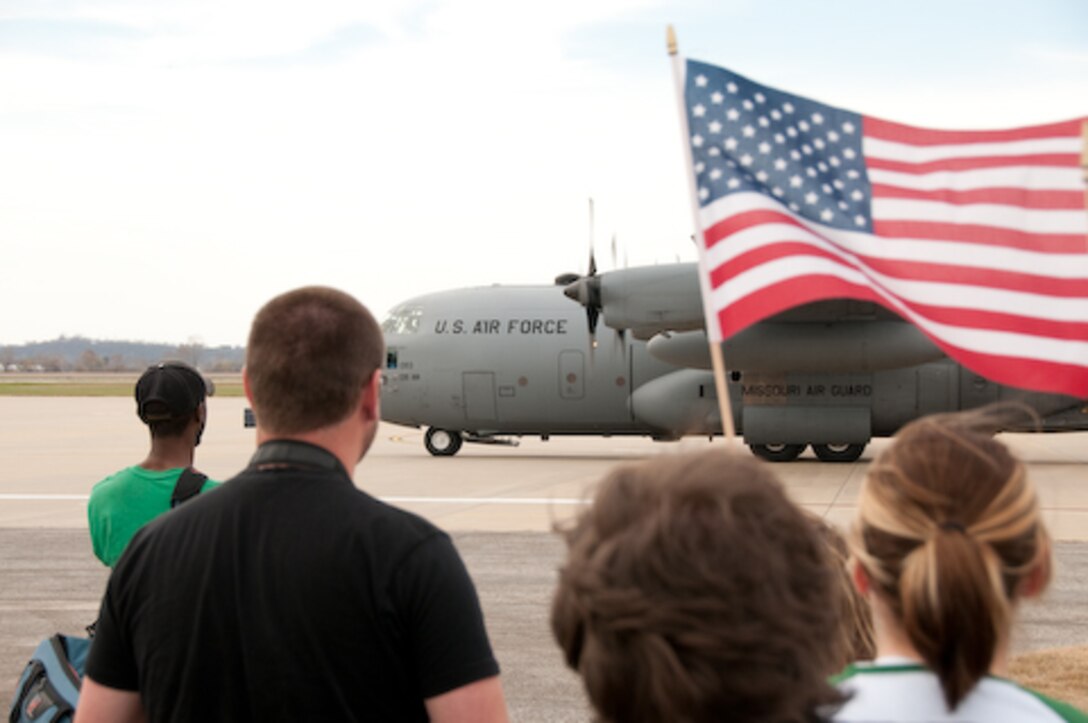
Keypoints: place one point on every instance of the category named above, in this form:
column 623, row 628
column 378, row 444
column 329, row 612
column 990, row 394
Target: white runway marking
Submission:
column 17, row 497
column 391, row 500
column 486, row 500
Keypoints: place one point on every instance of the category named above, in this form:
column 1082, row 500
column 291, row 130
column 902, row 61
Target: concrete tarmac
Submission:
column 499, row 503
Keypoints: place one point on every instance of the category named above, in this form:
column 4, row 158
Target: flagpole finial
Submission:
column 670, row 40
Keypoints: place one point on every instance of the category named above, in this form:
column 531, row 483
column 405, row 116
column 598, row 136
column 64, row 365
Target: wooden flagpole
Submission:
column 713, row 329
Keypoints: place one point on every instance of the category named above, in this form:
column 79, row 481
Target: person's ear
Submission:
column 245, row 385
column 370, row 401
column 1035, row 582
column 860, row 578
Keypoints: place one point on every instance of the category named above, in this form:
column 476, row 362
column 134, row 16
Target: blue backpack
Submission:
column 48, row 690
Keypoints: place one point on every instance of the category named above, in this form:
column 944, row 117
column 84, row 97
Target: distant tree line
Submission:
column 79, row 354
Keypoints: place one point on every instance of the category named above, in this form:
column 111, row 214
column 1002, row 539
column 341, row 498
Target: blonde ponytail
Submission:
column 954, row 610
column 947, row 528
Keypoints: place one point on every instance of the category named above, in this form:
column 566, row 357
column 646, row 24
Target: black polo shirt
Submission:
column 289, row 594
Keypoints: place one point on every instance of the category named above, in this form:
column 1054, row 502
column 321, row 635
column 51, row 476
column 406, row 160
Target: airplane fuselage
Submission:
column 512, row 360
column 507, row 360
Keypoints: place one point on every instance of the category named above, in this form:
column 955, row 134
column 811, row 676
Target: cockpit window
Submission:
column 403, row 320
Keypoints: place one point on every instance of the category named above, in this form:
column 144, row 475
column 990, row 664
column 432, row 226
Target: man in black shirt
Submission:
column 289, row 594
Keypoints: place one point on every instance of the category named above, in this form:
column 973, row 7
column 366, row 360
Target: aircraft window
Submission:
column 403, row 320
column 391, row 359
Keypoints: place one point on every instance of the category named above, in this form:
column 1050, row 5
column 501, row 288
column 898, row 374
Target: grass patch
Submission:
column 1060, row 673
column 65, row 389
column 73, row 385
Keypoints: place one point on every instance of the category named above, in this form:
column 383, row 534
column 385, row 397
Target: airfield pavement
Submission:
column 499, row 504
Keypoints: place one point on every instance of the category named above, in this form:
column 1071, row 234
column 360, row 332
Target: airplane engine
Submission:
column 679, row 403
column 648, row 297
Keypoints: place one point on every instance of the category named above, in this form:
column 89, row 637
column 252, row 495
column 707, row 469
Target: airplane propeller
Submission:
column 586, row 290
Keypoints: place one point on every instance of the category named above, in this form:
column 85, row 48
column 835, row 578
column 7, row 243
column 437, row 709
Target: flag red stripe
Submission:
column 741, row 221
column 970, row 163
column 1020, row 197
column 785, row 294
column 1054, row 243
column 909, row 270
column 926, row 230
column 1054, row 377
column 997, row 321
column 1031, row 374
column 902, row 133
column 774, row 298
column 770, row 252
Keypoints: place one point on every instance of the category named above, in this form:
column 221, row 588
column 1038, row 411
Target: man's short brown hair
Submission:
column 694, row 590
column 310, row 353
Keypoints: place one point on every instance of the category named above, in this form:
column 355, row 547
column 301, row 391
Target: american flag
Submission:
column 980, row 238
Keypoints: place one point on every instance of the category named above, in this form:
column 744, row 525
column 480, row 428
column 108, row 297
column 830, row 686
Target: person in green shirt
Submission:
column 170, row 400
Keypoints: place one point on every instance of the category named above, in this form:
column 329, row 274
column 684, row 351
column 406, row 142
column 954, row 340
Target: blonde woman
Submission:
column 948, row 539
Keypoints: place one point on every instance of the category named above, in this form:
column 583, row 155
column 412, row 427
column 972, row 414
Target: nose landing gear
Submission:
column 442, row 442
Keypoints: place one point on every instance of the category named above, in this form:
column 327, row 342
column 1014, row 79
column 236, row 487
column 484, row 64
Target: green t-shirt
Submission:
column 126, row 501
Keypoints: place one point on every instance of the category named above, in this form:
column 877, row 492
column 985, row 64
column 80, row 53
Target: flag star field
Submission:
column 747, row 137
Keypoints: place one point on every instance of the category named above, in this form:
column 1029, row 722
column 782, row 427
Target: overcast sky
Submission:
column 166, row 167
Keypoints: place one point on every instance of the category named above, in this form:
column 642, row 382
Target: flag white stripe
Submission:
column 984, row 214
column 1026, row 346
column 1034, row 178
column 1058, row 266
column 880, row 148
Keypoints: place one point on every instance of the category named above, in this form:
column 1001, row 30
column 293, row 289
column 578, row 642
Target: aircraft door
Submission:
column 937, row 388
column 479, row 395
column 572, row 368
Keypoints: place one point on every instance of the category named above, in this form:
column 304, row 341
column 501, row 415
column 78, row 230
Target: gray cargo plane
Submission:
column 490, row 363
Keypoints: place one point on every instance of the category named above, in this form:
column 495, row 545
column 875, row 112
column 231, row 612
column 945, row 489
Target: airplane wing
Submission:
column 663, row 304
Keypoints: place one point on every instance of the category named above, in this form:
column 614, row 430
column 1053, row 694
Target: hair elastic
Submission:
column 952, row 526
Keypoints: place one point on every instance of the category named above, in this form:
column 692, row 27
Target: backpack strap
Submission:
column 188, row 485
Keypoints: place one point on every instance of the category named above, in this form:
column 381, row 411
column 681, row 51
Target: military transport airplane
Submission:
column 490, row 363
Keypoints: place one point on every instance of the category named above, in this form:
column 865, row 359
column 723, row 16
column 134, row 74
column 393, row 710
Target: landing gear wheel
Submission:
column 838, row 452
column 442, row 442
column 777, row 452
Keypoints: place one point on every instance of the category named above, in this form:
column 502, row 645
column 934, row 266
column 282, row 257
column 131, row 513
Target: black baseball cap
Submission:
column 170, row 390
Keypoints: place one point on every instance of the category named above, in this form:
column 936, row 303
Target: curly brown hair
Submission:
column 694, row 590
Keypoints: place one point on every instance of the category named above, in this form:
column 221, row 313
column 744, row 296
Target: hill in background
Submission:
column 76, row 353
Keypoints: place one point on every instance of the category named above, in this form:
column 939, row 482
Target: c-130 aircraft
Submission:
column 489, row 363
